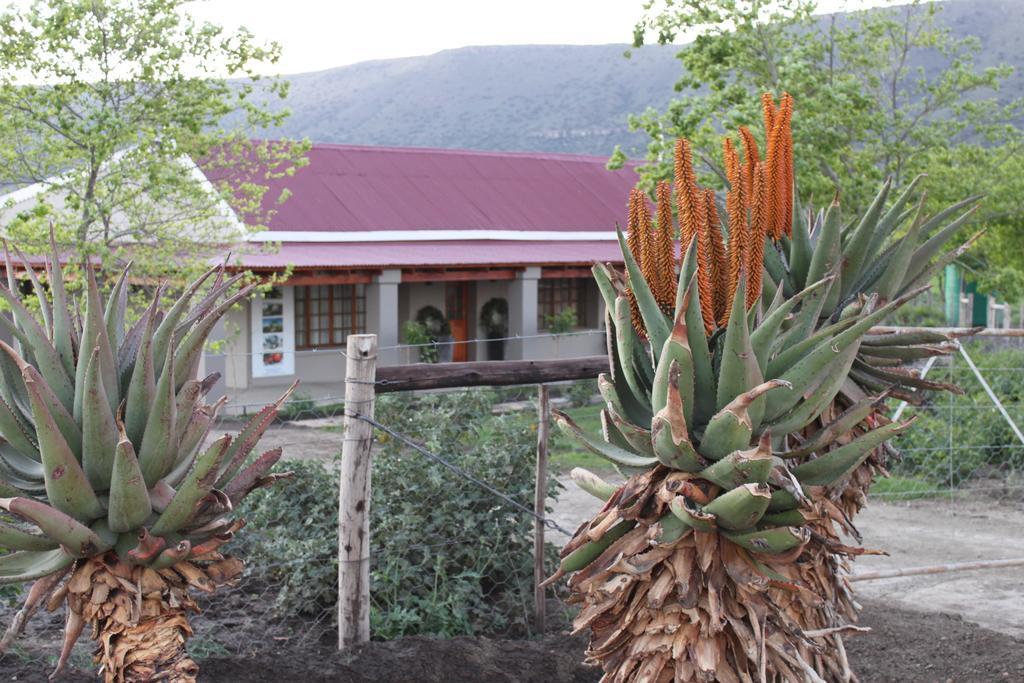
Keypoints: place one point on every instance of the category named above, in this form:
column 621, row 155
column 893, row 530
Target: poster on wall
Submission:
column 273, row 333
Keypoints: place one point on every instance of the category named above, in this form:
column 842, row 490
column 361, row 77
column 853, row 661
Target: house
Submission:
column 372, row 236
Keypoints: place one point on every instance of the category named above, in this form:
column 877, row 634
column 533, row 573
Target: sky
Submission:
column 320, row 34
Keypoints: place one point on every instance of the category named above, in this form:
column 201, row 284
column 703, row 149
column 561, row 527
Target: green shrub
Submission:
column 562, row 322
column 416, row 334
column 959, row 438
column 448, row 557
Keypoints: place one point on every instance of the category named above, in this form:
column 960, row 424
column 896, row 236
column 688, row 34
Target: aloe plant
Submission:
column 743, row 402
column 115, row 504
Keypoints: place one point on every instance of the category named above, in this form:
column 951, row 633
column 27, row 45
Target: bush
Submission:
column 983, row 444
column 563, row 322
column 415, row 334
column 448, row 557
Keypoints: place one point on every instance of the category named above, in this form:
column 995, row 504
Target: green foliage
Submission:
column 104, row 103
column 449, row 557
column 580, row 392
column 866, row 108
column 562, row 322
column 415, row 334
column 963, row 438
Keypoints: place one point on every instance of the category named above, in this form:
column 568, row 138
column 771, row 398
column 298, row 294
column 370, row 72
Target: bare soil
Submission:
column 903, row 646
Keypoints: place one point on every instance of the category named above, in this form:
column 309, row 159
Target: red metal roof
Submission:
column 372, row 255
column 354, row 188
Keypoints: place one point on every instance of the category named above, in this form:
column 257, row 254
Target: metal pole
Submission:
column 937, row 569
column 354, row 493
column 991, row 394
column 540, row 496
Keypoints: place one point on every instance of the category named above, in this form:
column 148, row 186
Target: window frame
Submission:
column 579, row 300
column 357, row 312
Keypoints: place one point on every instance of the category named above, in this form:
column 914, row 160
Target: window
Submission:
column 326, row 314
column 554, row 295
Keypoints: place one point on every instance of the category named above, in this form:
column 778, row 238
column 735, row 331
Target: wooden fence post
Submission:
column 354, row 493
column 540, row 496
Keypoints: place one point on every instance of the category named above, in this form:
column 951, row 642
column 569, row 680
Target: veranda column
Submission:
column 382, row 314
column 522, row 313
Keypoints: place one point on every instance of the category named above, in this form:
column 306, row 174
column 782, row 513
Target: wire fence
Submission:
column 966, row 448
column 452, row 509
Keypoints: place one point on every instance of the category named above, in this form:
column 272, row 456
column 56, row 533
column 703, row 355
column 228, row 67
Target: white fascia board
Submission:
column 325, row 237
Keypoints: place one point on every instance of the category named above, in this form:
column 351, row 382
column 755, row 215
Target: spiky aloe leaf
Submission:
column 255, row 475
column 669, row 434
column 117, row 305
column 46, row 357
column 603, row 278
column 839, row 462
column 739, row 369
column 892, row 218
column 856, row 248
column 197, row 483
column 692, row 514
column 627, row 340
column 94, row 335
column 65, row 422
column 740, row 508
column 142, row 386
column 27, row 565
column 587, row 481
column 77, row 539
column 37, row 287
column 838, row 427
column 800, row 250
column 99, row 430
column 676, row 353
column 167, row 327
column 62, row 328
column 655, row 321
column 615, row 454
column 67, row 487
column 130, row 504
column 750, row 466
column 789, row 357
column 12, row 388
column 159, row 439
column 820, row 359
column 249, row 436
column 189, row 352
column 770, row 541
column 763, row 338
column 730, row 429
column 18, row 434
column 622, row 403
column 13, row 538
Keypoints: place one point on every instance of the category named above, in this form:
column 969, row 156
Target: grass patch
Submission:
column 896, row 488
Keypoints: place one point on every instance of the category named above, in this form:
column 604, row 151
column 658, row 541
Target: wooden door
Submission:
column 457, row 311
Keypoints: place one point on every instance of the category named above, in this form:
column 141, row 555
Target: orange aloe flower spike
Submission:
column 720, row 266
column 664, row 251
column 758, row 232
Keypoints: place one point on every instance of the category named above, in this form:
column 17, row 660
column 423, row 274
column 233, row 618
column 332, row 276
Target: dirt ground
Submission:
column 903, row 647
column 915, row 534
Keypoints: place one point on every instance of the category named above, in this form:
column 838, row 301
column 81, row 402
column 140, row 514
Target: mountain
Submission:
column 549, row 98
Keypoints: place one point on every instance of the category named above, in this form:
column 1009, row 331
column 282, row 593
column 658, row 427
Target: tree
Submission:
column 106, row 104
column 868, row 106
